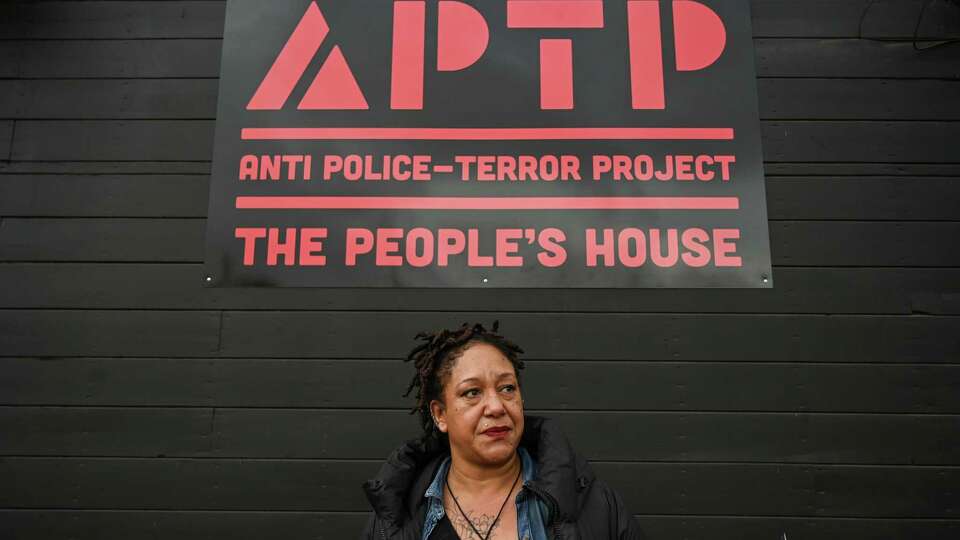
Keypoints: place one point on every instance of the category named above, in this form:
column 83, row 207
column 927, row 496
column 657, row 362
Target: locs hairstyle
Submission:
column 434, row 359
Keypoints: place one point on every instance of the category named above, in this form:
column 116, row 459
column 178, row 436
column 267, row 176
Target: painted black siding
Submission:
column 136, row 404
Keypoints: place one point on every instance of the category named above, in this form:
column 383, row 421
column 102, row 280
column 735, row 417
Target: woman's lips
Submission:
column 497, row 433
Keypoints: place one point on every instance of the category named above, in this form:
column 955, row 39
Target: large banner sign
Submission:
column 488, row 143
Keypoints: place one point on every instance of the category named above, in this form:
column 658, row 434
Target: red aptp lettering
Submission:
column 463, row 36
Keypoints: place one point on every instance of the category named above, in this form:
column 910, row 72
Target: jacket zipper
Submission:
column 383, row 533
column 554, row 509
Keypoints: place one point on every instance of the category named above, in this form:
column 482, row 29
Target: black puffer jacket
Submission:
column 581, row 506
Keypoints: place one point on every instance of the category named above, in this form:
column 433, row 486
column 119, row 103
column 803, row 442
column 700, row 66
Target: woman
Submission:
column 479, row 453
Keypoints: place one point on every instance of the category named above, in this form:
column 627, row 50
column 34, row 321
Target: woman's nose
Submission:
column 494, row 404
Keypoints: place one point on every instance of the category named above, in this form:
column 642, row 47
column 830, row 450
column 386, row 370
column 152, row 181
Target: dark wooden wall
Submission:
column 136, row 404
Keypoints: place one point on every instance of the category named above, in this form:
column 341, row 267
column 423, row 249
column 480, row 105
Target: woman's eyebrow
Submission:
column 477, row 380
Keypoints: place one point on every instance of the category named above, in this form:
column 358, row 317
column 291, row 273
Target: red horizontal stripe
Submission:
column 555, row 14
column 488, row 203
column 487, row 134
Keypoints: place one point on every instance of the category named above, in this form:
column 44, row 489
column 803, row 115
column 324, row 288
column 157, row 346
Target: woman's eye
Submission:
column 473, row 392
column 508, row 389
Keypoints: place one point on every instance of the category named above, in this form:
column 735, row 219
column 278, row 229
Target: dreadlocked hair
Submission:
column 434, row 358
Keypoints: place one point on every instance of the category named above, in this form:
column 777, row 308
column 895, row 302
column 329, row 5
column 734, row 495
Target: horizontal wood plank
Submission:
column 47, row 140
column 566, row 336
column 624, row 336
column 857, row 99
column 647, row 488
column 871, row 19
column 852, row 169
column 185, row 525
column 109, row 99
column 890, row 142
column 104, row 195
column 600, row 436
column 884, row 19
column 170, row 240
column 813, row 490
column 854, row 58
column 129, row 59
column 862, row 198
column 111, row 167
column 313, row 525
column 178, row 286
column 113, row 20
column 108, row 333
column 146, row 432
column 852, row 243
column 666, row 386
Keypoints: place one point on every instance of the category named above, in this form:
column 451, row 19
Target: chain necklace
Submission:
column 496, row 519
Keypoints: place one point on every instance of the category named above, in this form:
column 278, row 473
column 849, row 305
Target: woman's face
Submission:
column 482, row 410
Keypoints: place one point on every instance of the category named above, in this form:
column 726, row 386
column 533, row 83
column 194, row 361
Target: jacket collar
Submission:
column 561, row 473
column 397, row 491
column 408, row 471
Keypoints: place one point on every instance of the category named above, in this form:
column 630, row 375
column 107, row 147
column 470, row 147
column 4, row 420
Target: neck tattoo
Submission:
column 496, row 519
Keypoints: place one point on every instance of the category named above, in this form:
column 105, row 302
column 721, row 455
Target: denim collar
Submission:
column 530, row 516
column 435, row 491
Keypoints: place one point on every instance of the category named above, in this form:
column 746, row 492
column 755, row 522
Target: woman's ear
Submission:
column 439, row 414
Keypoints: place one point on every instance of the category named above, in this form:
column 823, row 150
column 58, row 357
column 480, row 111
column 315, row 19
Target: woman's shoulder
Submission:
column 602, row 511
column 396, row 492
column 580, row 496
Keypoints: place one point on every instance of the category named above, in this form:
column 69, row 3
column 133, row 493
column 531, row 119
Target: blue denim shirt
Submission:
column 530, row 511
